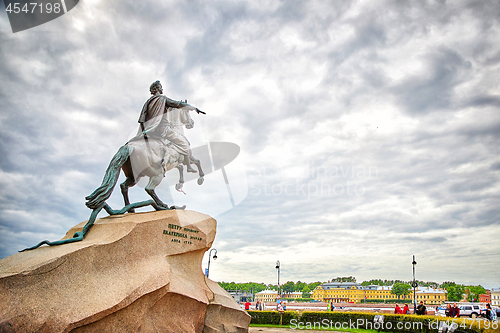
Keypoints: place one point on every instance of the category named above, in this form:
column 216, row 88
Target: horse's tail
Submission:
column 103, row 192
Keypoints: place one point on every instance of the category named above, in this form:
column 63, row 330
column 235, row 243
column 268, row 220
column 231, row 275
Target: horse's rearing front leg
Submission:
column 200, row 171
column 179, row 185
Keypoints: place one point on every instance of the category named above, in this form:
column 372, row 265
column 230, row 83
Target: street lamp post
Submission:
column 414, row 285
column 209, row 255
column 278, row 268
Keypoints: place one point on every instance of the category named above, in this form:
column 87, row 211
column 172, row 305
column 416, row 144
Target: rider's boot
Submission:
column 188, row 165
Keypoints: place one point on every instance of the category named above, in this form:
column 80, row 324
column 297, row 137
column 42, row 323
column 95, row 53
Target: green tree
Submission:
column 344, row 279
column 256, row 287
column 272, row 287
column 228, row 285
column 288, row 287
column 378, row 282
column 473, row 292
column 306, row 292
column 299, row 286
column 313, row 285
column 428, row 284
column 400, row 289
column 454, row 291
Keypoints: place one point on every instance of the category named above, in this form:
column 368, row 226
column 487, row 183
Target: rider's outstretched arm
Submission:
column 180, row 104
column 175, row 104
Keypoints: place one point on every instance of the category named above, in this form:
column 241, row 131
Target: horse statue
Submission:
column 148, row 157
column 140, row 157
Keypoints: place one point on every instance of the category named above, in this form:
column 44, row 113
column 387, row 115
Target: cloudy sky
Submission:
column 369, row 130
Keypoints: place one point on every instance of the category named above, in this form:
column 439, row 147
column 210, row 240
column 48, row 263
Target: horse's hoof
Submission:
column 178, row 186
column 201, row 180
column 158, row 207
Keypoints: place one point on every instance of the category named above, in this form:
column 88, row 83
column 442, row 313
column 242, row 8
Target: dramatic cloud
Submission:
column 369, row 131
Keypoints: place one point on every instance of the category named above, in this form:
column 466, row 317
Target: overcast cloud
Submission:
column 369, row 130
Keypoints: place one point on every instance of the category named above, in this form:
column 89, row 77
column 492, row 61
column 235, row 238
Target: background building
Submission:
column 337, row 292
column 352, row 292
column 292, row 295
column 374, row 292
column 495, row 296
column 266, row 295
column 431, row 295
column 485, row 298
column 241, row 295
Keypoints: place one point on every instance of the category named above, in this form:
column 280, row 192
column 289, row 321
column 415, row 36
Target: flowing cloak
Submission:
column 154, row 123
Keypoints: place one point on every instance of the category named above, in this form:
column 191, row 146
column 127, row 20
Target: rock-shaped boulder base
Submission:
column 132, row 273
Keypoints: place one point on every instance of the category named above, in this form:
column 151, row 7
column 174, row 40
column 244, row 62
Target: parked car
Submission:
column 470, row 310
column 441, row 312
column 483, row 312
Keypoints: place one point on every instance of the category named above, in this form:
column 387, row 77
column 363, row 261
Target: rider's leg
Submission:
column 182, row 143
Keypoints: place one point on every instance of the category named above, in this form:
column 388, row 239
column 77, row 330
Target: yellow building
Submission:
column 271, row 295
column 495, row 296
column 431, row 295
column 339, row 292
column 352, row 292
column 384, row 293
column 293, row 295
column 266, row 296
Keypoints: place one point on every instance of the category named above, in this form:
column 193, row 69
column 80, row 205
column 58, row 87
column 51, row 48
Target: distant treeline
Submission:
column 380, row 282
column 455, row 291
column 290, row 286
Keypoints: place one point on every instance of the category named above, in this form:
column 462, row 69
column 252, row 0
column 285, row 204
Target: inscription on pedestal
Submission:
column 181, row 233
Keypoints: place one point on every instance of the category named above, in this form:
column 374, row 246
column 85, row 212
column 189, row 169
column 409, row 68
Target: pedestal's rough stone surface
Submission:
column 223, row 313
column 131, row 273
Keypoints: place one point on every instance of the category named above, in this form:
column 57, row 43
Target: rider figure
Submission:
column 155, row 124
